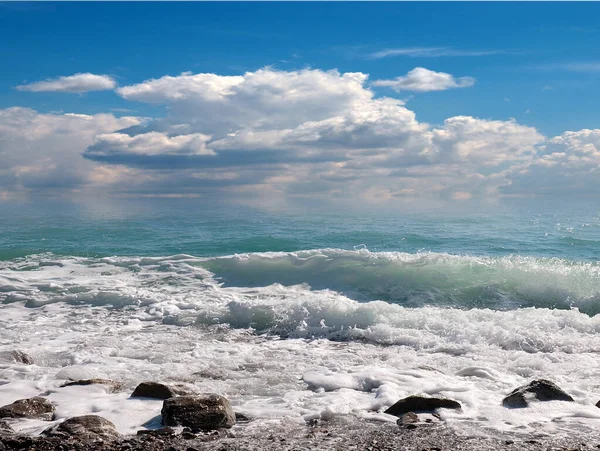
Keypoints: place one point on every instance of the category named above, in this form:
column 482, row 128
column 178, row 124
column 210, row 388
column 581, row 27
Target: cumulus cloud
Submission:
column 151, row 143
column 424, row 80
column 42, row 152
column 262, row 99
column 485, row 142
column 307, row 134
column 567, row 164
column 78, row 83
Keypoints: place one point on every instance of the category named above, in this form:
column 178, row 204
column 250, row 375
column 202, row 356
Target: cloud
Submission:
column 41, row 153
column 485, row 142
column 78, row 83
column 287, row 136
column 430, row 52
column 424, row 80
column 150, row 144
column 567, row 164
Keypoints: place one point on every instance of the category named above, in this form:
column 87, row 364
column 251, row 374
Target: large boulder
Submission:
column 198, row 412
column 540, row 390
column 111, row 386
column 158, row 390
column 86, row 427
column 36, row 407
column 421, row 404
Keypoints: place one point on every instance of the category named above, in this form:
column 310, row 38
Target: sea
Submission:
column 305, row 313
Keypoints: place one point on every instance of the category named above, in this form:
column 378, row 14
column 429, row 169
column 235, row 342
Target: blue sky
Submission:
column 532, row 65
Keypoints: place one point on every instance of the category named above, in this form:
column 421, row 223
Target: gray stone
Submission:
column 421, row 404
column 158, row 390
column 36, row 407
column 5, row 428
column 540, row 390
column 86, row 427
column 21, row 357
column 199, row 412
column 111, row 386
column 16, row 356
column 408, row 418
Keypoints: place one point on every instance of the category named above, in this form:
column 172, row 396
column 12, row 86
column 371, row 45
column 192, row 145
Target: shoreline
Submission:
column 335, row 435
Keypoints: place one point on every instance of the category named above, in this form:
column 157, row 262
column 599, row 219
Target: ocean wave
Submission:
column 427, row 278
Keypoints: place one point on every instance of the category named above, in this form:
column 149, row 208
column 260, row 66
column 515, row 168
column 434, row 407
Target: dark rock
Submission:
column 21, row 357
column 5, row 428
column 164, row 431
column 86, row 427
column 598, row 404
column 188, row 435
column 201, row 412
column 408, row 418
column 158, row 391
column 111, row 386
column 241, row 418
column 421, row 404
column 540, row 389
column 36, row 407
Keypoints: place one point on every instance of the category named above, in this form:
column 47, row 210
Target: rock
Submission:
column 158, row 391
column 198, row 412
column 421, row 404
column 598, row 404
column 86, row 427
column 111, row 386
column 241, row 418
column 540, row 389
column 21, row 357
column 164, row 431
column 5, row 428
column 36, row 407
column 408, row 418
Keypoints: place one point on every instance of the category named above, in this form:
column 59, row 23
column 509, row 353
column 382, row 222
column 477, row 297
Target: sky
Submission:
column 278, row 103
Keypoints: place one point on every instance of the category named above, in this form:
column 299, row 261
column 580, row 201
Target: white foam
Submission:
column 322, row 353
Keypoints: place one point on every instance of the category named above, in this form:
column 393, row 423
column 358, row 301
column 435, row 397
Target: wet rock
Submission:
column 157, row 390
column 598, row 404
column 111, row 386
column 21, row 357
column 164, row 431
column 540, row 389
column 200, row 412
column 36, row 407
column 86, row 427
column 5, row 428
column 241, row 418
column 408, row 418
column 421, row 404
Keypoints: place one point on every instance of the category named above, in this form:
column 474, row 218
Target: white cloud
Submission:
column 430, row 52
column 78, row 83
column 285, row 135
column 485, row 142
column 423, row 80
column 42, row 152
column 262, row 99
column 150, row 144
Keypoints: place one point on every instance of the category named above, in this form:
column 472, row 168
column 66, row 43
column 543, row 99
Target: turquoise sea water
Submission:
column 499, row 258
column 167, row 227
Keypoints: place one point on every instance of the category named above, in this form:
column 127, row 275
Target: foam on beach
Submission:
column 314, row 334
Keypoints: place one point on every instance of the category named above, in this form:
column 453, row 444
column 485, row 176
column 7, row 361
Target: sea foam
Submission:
column 306, row 335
